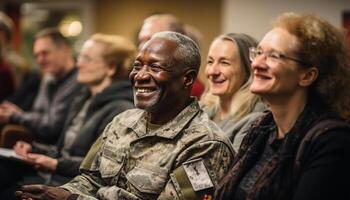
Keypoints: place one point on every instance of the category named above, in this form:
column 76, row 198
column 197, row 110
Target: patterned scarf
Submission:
column 276, row 180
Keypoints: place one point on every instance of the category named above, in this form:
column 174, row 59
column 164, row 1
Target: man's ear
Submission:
column 189, row 77
column 308, row 76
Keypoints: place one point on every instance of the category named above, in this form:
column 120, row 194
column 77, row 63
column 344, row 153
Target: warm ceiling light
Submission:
column 71, row 29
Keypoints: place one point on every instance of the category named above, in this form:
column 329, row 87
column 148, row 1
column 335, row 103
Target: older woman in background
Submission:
column 228, row 100
column 300, row 148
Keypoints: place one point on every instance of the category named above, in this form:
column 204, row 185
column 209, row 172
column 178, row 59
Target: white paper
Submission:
column 8, row 153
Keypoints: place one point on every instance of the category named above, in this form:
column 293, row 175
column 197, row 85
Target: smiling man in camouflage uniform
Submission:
column 166, row 149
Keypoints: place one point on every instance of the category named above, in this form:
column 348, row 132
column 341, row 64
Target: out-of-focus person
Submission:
column 7, row 82
column 59, row 86
column 158, row 23
column 168, row 22
column 19, row 81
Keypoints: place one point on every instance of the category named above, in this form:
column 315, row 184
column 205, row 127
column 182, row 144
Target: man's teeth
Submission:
column 144, row 90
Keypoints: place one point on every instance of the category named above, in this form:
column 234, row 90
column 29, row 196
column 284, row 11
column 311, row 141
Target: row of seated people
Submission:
column 20, row 81
column 172, row 149
column 151, row 25
column 149, row 139
column 83, row 100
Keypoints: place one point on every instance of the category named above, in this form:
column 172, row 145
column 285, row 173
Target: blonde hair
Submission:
column 243, row 100
column 119, row 52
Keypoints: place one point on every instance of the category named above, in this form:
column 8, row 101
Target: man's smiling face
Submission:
column 156, row 77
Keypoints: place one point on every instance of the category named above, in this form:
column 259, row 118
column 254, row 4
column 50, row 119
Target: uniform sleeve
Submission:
column 89, row 181
column 325, row 172
column 89, row 186
column 69, row 165
column 217, row 158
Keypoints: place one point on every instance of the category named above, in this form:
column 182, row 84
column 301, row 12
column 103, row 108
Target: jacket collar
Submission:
column 168, row 130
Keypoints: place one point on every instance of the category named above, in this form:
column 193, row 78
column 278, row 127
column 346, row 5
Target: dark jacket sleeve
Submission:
column 40, row 148
column 325, row 169
column 45, row 126
column 7, row 86
column 69, row 166
column 47, row 123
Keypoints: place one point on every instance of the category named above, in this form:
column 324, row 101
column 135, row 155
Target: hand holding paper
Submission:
column 11, row 155
column 22, row 148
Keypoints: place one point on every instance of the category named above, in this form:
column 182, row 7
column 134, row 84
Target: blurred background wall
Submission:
column 255, row 16
column 125, row 17
column 79, row 19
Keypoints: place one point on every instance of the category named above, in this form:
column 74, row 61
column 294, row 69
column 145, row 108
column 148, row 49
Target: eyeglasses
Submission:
column 88, row 59
column 272, row 56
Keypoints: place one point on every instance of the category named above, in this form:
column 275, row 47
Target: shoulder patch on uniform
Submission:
column 197, row 174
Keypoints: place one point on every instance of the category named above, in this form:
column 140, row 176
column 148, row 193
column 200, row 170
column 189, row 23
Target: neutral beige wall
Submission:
column 255, row 16
column 124, row 17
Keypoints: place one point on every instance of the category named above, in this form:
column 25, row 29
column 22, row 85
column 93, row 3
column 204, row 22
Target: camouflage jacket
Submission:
column 126, row 162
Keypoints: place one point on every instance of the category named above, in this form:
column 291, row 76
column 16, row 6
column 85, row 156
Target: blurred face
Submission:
column 150, row 28
column 273, row 76
column 224, row 69
column 157, row 80
column 93, row 70
column 50, row 57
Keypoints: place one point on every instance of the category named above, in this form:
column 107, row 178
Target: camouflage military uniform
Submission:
column 129, row 163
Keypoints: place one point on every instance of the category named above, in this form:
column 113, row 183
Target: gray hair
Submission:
column 187, row 52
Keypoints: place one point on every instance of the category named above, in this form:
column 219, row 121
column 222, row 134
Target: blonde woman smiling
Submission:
column 228, row 100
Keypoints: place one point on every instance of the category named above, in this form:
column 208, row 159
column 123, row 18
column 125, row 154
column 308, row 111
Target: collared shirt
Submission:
column 129, row 163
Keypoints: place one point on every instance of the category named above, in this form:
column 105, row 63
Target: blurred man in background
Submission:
column 167, row 22
column 44, row 121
